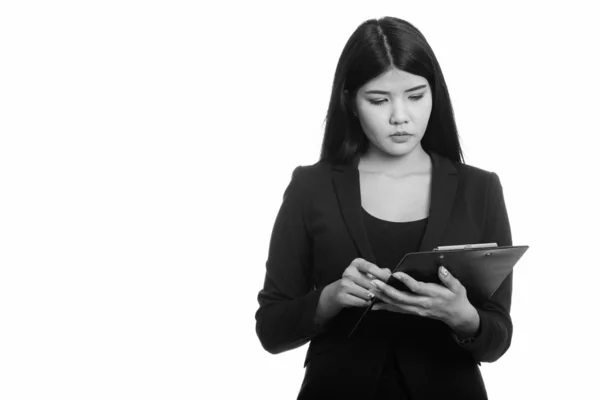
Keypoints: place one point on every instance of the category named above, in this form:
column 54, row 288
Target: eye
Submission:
column 377, row 102
column 416, row 97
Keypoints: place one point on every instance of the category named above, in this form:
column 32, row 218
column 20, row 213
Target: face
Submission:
column 393, row 103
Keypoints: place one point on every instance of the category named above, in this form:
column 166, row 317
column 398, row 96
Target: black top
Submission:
column 390, row 241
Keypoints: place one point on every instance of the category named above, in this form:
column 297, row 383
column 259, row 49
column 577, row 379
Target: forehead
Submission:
column 394, row 80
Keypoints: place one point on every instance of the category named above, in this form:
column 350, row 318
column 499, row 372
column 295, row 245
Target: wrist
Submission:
column 467, row 324
column 327, row 307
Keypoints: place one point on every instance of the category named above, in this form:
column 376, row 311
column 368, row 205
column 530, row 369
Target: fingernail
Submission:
column 444, row 271
column 375, row 284
column 398, row 276
column 371, row 295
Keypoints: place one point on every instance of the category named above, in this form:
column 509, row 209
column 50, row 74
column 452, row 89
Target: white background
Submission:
column 145, row 148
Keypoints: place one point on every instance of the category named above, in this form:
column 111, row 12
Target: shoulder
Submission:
column 308, row 180
column 472, row 180
column 477, row 184
column 314, row 170
column 470, row 175
column 473, row 173
column 313, row 175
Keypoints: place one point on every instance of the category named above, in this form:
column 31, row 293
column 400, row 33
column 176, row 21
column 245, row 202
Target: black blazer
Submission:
column 318, row 232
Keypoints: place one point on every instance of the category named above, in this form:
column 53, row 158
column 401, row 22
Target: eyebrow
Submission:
column 406, row 91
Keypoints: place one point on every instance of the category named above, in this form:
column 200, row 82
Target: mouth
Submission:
column 401, row 134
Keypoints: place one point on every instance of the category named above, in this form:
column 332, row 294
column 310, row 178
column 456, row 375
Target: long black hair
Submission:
column 375, row 47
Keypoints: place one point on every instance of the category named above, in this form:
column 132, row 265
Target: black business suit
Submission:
column 318, row 232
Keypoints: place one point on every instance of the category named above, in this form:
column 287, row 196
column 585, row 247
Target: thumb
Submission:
column 448, row 280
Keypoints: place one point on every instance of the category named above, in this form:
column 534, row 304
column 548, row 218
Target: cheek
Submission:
column 372, row 121
column 425, row 111
column 420, row 117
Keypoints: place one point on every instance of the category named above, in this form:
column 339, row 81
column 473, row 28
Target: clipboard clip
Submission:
column 466, row 246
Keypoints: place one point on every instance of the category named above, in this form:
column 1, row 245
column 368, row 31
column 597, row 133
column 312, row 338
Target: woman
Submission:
column 391, row 180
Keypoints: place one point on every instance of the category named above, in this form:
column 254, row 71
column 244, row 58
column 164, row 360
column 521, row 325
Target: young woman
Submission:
column 391, row 180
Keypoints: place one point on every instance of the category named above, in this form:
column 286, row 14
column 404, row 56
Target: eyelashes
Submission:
column 379, row 102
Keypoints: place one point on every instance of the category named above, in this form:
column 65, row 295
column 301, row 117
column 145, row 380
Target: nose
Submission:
column 399, row 115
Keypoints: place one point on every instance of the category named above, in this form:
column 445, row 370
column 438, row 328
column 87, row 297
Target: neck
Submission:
column 376, row 161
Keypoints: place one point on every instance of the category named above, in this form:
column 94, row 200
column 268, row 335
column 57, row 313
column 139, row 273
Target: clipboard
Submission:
column 481, row 268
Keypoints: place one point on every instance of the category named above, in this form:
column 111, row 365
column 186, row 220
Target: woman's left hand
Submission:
column 448, row 303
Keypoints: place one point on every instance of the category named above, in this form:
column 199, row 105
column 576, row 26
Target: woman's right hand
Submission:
column 354, row 289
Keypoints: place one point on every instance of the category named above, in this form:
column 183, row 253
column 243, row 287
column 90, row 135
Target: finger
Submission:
column 352, row 288
column 349, row 300
column 387, row 271
column 364, row 272
column 401, row 309
column 413, row 306
column 413, row 310
column 449, row 281
column 355, row 275
column 391, row 295
column 369, row 268
column 385, row 298
column 358, row 278
column 405, row 309
column 387, row 307
column 415, row 286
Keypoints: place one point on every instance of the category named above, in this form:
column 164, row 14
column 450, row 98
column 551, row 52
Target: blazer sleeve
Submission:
column 495, row 329
column 288, row 300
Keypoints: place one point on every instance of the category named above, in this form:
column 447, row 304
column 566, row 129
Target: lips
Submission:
column 401, row 134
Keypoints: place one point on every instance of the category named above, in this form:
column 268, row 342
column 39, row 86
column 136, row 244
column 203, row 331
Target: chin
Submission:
column 401, row 150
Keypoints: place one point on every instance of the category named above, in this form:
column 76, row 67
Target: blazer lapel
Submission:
column 443, row 192
column 346, row 182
